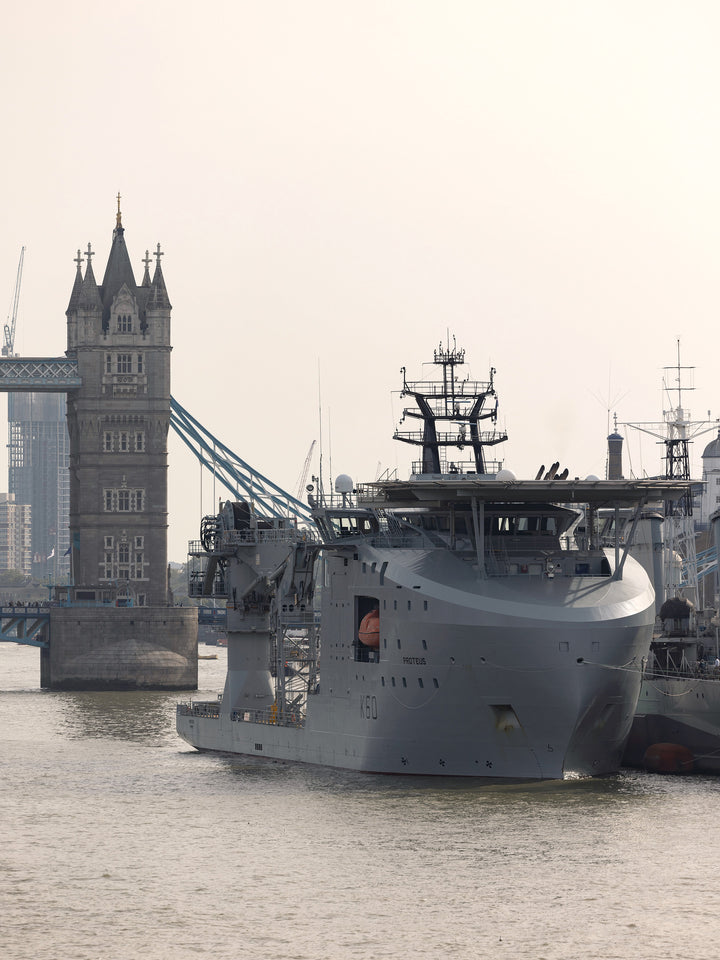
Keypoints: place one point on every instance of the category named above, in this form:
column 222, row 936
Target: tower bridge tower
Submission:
column 118, row 332
column 114, row 625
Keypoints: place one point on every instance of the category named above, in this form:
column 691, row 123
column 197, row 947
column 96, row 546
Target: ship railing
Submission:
column 699, row 670
column 290, row 615
column 202, row 708
column 447, row 437
column 271, row 716
column 461, row 389
column 269, row 535
column 196, row 548
column 456, row 469
column 229, row 539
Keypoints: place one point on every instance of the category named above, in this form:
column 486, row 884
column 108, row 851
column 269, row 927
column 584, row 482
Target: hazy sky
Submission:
column 338, row 186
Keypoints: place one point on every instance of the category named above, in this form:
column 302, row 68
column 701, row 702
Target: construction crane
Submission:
column 303, row 476
column 8, row 349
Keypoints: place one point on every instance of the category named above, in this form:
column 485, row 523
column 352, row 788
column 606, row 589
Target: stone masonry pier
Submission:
column 126, row 648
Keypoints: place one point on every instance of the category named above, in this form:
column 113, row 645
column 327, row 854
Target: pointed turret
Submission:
column 158, row 298
column 146, row 276
column 77, row 286
column 118, row 271
column 89, row 298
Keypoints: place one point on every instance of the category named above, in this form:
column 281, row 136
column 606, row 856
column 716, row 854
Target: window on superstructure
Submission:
column 139, row 500
column 124, row 553
column 124, row 363
column 108, row 363
column 124, row 443
column 139, row 442
column 108, row 443
column 139, row 363
column 139, row 543
column 123, row 500
column 124, row 323
column 108, row 496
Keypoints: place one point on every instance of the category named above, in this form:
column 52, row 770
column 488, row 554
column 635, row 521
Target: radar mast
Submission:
column 451, row 410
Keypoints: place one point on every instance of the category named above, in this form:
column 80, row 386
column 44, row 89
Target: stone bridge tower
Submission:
column 114, row 625
column 118, row 332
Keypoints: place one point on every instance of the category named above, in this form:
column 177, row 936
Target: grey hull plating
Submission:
column 514, row 677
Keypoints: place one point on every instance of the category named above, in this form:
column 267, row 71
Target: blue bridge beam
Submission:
column 24, row 625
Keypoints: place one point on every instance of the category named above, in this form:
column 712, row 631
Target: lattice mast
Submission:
column 676, row 433
column 452, row 411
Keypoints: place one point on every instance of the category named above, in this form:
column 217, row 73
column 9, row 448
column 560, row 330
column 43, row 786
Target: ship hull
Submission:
column 534, row 680
column 679, row 711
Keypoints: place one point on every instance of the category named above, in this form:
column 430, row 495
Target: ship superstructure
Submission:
column 449, row 624
column 677, row 724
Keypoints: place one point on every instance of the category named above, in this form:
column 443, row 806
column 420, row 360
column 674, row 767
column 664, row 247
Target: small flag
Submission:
column 67, row 552
column 52, row 554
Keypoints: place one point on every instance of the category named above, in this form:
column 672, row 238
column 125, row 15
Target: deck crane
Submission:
column 8, row 349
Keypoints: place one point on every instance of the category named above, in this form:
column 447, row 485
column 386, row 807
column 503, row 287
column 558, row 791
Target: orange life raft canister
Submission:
column 369, row 632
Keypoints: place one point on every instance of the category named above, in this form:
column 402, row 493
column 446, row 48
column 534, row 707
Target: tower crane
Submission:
column 8, row 349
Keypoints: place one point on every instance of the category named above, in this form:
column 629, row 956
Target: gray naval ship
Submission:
column 460, row 623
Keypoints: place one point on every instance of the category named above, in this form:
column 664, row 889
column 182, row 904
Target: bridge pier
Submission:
column 121, row 648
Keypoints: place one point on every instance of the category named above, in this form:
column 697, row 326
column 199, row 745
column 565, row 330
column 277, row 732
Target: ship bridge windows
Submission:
column 351, row 524
column 514, row 525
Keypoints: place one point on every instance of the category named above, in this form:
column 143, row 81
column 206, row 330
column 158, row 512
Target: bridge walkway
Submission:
column 24, row 624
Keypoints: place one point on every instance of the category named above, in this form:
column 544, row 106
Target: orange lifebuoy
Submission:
column 369, row 632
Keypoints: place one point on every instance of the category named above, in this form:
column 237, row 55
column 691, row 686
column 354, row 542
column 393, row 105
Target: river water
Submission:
column 119, row 842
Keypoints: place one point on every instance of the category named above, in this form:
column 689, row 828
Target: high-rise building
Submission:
column 15, row 536
column 38, row 475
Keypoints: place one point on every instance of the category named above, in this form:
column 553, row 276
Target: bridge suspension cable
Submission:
column 238, row 477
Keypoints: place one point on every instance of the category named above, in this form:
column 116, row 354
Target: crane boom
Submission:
column 8, row 349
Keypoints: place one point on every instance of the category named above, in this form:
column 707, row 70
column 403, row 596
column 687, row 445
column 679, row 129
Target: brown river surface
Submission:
column 120, row 842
